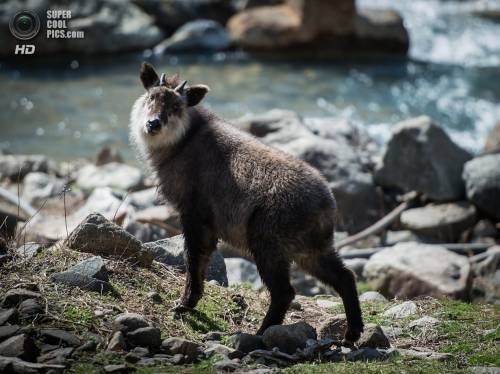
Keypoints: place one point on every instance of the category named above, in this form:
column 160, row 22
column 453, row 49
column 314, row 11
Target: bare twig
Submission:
column 382, row 223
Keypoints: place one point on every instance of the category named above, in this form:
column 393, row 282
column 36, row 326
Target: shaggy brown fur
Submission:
column 227, row 185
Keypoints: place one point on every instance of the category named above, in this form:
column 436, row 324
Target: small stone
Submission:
column 219, row 349
column 136, row 354
column 93, row 267
column 369, row 354
column 15, row 296
column 246, row 343
column 89, row 346
column 28, row 250
column 8, row 316
column 372, row 297
column 56, row 356
column 334, row 328
column 423, row 353
column 288, row 337
column 392, row 332
column 226, row 365
column 173, row 346
column 29, row 309
column 81, row 281
column 117, row 369
column 213, row 336
column 127, row 322
column 145, row 337
column 373, row 337
column 59, row 337
column 406, row 309
column 117, row 342
column 295, row 305
column 20, row 346
column 325, row 303
column 424, row 322
column 8, row 331
column 155, row 297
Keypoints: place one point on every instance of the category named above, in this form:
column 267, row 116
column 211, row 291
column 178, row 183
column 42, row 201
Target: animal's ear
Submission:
column 194, row 94
column 148, row 75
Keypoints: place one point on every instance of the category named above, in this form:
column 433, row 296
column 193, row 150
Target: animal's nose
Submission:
column 153, row 126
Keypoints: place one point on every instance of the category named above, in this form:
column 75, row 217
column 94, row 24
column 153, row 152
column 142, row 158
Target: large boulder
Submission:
column 240, row 271
column 342, row 152
column 199, row 35
column 409, row 270
column 172, row 14
column 114, row 175
column 421, row 157
column 445, row 222
column 125, row 26
column 16, row 167
column 318, row 28
column 170, row 251
column 97, row 235
column 40, row 186
column 482, row 183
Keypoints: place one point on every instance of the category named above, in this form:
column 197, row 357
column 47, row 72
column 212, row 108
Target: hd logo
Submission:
column 24, row 49
column 24, row 25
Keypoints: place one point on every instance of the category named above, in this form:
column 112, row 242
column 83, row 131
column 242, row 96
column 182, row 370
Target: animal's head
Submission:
column 160, row 115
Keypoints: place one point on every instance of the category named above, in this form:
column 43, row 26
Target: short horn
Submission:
column 180, row 88
column 162, row 79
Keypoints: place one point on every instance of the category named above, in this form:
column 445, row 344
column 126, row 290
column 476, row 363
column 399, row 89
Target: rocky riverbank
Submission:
column 301, row 28
column 90, row 241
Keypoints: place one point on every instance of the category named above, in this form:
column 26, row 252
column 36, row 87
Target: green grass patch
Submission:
column 78, row 314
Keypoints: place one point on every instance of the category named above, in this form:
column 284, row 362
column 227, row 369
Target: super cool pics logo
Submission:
column 25, row 25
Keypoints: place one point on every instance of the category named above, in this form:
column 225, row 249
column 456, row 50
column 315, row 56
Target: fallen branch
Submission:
column 382, row 223
column 17, row 201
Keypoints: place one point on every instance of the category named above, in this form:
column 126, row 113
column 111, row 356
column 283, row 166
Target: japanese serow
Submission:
column 227, row 185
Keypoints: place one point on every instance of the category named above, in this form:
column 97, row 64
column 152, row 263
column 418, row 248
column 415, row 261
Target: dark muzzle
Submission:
column 153, row 127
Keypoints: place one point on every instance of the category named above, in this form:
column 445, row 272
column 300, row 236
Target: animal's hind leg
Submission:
column 330, row 269
column 275, row 272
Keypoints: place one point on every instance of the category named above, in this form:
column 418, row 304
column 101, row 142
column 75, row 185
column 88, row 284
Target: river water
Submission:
column 69, row 109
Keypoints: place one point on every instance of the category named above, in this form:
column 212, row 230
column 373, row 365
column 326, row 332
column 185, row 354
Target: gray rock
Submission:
column 93, row 267
column 8, row 331
column 145, row 198
column 484, row 369
column 145, row 337
column 126, row 26
column 8, row 316
column 173, row 346
column 145, row 232
column 213, row 336
column 16, row 365
column 56, row 356
column 333, row 328
column 29, row 250
column 170, row 251
column 425, row 354
column 155, row 297
column 82, row 281
column 17, row 167
column 172, row 14
column 204, row 35
column 445, row 222
column 118, row 368
column 20, row 346
column 213, row 348
column 424, row 322
column 395, row 237
column 97, row 235
column 482, row 183
column 114, row 175
column 370, row 354
column 30, row 309
column 15, row 296
column 128, row 322
column 287, row 338
column 403, row 310
column 409, row 270
column 41, row 186
column 59, row 337
column 373, row 337
column 246, row 343
column 392, row 332
column 117, row 342
column 241, row 271
column 325, row 303
column 432, row 164
column 226, row 366
column 372, row 297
